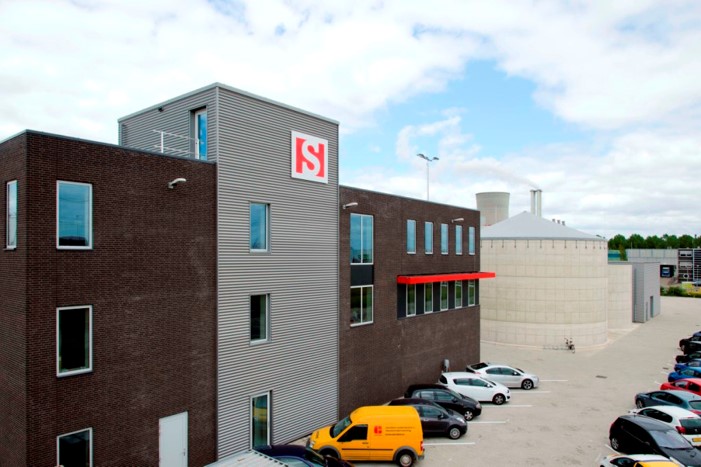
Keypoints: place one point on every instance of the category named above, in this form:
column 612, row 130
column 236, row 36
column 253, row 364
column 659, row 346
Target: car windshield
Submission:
column 670, row 439
column 695, row 404
column 691, row 422
column 340, row 426
column 314, row 457
column 478, row 366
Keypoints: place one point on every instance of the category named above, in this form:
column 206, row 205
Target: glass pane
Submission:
column 411, row 236
column 73, row 339
column 260, row 421
column 74, row 214
column 411, row 300
column 428, row 237
column 259, row 226
column 471, row 246
column 356, row 240
column 12, row 214
column 444, row 295
column 458, row 239
column 444, row 239
column 259, row 317
column 428, row 298
column 201, row 122
column 367, row 239
column 458, row 294
column 74, row 449
column 355, row 305
column 367, row 304
column 471, row 293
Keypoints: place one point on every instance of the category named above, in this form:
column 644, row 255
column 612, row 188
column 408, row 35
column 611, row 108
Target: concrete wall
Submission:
column 620, row 295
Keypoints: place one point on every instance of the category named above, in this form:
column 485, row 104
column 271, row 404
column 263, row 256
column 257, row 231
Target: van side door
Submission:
column 354, row 443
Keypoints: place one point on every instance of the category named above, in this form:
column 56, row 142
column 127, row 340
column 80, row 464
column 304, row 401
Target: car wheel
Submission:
column 454, row 432
column 527, row 384
column 405, row 459
column 328, row 452
column 498, row 399
column 469, row 415
column 615, row 443
column 639, row 403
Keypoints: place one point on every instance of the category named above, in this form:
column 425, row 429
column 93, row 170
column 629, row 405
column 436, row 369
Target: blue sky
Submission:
column 596, row 103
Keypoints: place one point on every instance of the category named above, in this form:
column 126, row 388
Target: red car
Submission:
column 686, row 384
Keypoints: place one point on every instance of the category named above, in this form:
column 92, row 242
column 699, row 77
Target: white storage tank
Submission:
column 493, row 207
column 551, row 284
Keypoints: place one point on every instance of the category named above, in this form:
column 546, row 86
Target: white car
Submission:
column 476, row 387
column 686, row 422
column 629, row 460
column 507, row 375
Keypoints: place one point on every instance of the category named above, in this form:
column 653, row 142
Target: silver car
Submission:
column 508, row 376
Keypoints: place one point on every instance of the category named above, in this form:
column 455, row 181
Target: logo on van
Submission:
column 378, row 429
column 310, row 157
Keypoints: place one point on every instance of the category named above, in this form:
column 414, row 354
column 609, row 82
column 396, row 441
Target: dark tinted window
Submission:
column 691, row 423
column 443, row 396
column 670, row 439
column 354, row 433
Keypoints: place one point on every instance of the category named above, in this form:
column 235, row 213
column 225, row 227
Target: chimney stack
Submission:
column 537, row 202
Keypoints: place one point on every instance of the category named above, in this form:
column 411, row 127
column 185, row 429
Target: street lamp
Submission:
column 427, row 159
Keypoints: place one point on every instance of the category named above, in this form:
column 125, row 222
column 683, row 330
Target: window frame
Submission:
column 471, row 241
column 428, row 286
column 444, row 285
column 411, row 235
column 363, row 218
column 89, row 369
column 11, row 222
column 58, row 444
column 445, row 242
column 89, row 246
column 268, row 407
column 458, row 240
column 458, row 296
column 196, row 132
column 362, row 295
column 471, row 293
column 266, row 219
column 428, row 237
column 266, row 327
column 410, row 306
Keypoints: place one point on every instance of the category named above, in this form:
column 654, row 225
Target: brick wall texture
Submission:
column 379, row 360
column 151, row 280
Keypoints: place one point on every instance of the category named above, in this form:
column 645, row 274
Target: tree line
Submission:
column 654, row 242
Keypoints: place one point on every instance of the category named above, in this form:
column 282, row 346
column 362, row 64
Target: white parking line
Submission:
column 450, row 444
column 489, row 422
column 534, row 392
column 554, row 380
column 505, row 406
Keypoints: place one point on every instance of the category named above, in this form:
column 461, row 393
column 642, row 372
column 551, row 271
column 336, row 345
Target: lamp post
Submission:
column 427, row 159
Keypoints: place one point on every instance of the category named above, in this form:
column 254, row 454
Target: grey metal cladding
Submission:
column 175, row 116
column 299, row 364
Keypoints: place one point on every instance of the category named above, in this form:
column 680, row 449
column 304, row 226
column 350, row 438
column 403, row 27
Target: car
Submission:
column 300, row 456
column 474, row 386
column 686, row 357
column 687, row 423
column 688, row 364
column 690, row 344
column 684, row 399
column 687, row 384
column 688, row 372
column 636, row 460
column 638, row 434
column 507, row 375
column 446, row 398
column 435, row 420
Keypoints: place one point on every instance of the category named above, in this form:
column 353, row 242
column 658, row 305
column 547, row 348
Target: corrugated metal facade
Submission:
column 250, row 138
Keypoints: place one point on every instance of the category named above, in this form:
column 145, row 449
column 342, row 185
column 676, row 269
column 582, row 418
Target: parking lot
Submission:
column 565, row 421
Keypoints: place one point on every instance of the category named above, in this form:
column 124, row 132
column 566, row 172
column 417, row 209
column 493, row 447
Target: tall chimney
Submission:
column 536, row 202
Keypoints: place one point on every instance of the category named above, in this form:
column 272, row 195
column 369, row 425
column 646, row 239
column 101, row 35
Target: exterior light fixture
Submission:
column 457, row 219
column 350, row 205
column 172, row 183
column 428, row 160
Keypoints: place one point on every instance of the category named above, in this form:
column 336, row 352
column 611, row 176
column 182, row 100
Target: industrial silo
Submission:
column 493, row 207
column 551, row 284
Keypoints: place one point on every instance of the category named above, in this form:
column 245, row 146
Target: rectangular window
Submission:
column 471, row 296
column 411, row 300
column 458, row 239
column 444, row 296
column 361, row 305
column 75, row 449
column 200, row 129
column 458, row 294
column 73, row 215
column 444, row 239
column 471, row 240
column 260, row 420
column 410, row 236
column 428, row 298
column 260, row 317
column 73, row 340
column 428, row 237
column 361, row 239
column 11, row 240
column 260, row 232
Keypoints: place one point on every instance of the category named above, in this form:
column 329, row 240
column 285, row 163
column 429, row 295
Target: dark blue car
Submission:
column 690, row 363
column 300, row 455
column 688, row 372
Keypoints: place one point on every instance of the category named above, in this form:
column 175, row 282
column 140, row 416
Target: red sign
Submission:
column 378, row 429
column 310, row 158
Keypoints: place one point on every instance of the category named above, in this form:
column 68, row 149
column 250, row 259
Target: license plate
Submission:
column 696, row 440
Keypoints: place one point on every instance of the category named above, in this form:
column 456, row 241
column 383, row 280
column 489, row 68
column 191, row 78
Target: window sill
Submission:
column 10, row 248
column 355, row 325
column 73, row 373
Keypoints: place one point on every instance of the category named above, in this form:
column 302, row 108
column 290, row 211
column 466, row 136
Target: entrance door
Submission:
column 172, row 446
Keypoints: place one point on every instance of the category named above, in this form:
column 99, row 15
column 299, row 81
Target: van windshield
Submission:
column 340, row 426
